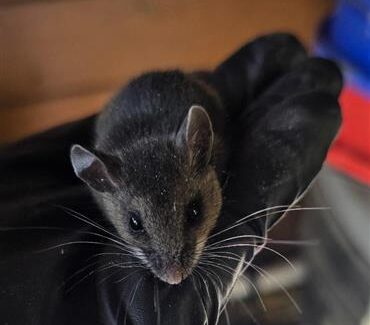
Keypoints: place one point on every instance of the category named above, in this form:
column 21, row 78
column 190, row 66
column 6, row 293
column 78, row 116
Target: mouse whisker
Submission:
column 209, row 276
column 223, row 267
column 259, row 246
column 109, row 254
column 236, row 224
column 124, row 247
column 157, row 306
column 196, row 272
column 288, row 210
column 226, row 256
column 87, row 220
column 259, row 270
column 118, row 312
column 227, row 316
column 248, row 311
column 200, row 269
column 118, row 270
column 105, row 267
column 24, row 228
column 125, row 277
column 218, row 290
column 233, row 238
column 267, row 276
column 76, row 243
column 201, row 299
column 79, row 271
column 21, row 228
column 265, row 215
column 131, row 254
column 132, row 299
column 211, row 273
column 268, row 210
column 223, row 252
column 310, row 242
column 243, row 303
column 231, row 271
column 243, row 276
column 246, row 217
column 257, row 215
column 222, row 257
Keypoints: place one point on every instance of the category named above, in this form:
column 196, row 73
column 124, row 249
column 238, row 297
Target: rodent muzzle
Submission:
column 174, row 274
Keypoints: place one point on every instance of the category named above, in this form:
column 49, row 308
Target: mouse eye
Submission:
column 135, row 221
column 194, row 211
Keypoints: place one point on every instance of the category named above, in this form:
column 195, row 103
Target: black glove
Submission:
column 283, row 115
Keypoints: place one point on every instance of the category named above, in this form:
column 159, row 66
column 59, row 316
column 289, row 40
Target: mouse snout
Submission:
column 174, row 271
column 174, row 274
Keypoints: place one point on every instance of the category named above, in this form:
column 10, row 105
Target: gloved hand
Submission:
column 56, row 266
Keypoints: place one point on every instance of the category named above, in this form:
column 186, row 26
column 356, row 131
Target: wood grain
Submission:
column 52, row 51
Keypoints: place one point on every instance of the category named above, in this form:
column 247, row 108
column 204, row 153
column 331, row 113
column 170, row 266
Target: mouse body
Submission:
column 156, row 168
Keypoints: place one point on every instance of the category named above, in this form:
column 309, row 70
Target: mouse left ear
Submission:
column 196, row 132
column 91, row 169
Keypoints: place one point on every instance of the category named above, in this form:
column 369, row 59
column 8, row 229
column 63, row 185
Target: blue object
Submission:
column 349, row 32
column 345, row 37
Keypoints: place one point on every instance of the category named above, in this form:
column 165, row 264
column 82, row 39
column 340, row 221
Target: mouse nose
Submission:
column 174, row 274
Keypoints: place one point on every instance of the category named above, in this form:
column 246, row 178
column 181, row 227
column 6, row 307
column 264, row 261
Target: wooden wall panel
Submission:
column 60, row 51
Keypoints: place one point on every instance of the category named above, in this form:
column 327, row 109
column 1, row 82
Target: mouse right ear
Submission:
column 91, row 169
column 196, row 133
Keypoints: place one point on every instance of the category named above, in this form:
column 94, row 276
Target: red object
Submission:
column 350, row 152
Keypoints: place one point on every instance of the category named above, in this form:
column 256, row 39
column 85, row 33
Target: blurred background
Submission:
column 61, row 60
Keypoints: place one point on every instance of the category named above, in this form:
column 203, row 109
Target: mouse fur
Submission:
column 157, row 157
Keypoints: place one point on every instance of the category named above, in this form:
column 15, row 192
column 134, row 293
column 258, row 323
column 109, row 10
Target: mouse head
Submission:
column 161, row 194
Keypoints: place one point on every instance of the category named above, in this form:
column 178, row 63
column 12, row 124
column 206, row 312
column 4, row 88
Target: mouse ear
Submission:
column 196, row 133
column 91, row 169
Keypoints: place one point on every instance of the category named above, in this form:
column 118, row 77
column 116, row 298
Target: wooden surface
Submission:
column 61, row 60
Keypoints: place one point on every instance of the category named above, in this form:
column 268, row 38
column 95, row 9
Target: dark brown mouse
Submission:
column 155, row 168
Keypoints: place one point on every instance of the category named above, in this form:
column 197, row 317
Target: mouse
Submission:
column 155, row 168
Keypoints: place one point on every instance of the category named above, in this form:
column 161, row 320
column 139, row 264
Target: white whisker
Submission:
column 265, row 273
